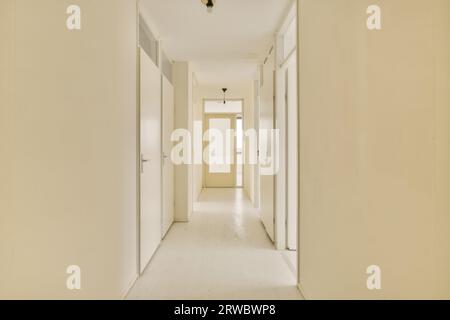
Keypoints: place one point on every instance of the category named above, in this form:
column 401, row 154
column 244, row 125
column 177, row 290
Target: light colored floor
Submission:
column 239, row 169
column 223, row 253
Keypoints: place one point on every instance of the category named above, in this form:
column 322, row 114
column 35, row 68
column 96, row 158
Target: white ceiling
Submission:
column 224, row 46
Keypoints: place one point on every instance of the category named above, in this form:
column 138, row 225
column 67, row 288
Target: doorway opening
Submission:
column 224, row 145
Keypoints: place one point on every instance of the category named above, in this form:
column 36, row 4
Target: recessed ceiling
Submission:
column 225, row 45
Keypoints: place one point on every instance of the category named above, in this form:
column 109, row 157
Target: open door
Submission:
column 256, row 177
column 292, row 155
column 150, row 144
column 168, row 166
column 220, row 168
column 267, row 152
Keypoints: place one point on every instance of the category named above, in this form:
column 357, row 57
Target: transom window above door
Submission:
column 218, row 106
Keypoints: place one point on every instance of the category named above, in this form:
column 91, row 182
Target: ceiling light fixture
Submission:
column 209, row 5
column 224, row 95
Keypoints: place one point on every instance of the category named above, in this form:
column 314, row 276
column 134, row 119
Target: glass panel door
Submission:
column 219, row 149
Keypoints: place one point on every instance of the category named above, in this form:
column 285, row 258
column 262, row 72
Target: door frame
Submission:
column 232, row 118
column 204, row 114
column 289, row 76
column 281, row 116
column 157, row 159
column 256, row 116
column 240, row 116
column 140, row 19
column 166, row 157
column 268, row 121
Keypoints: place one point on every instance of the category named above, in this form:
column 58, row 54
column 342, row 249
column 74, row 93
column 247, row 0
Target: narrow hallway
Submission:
column 223, row 253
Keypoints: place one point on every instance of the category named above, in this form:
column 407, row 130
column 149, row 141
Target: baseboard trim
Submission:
column 302, row 291
column 127, row 291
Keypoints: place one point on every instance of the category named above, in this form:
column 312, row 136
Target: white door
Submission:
column 220, row 169
column 150, row 193
column 256, row 177
column 168, row 167
column 267, row 148
column 292, row 155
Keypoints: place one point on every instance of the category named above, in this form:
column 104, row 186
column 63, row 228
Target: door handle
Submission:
column 164, row 157
column 143, row 160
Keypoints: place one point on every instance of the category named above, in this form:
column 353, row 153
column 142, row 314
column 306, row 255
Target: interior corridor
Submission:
column 222, row 253
column 117, row 115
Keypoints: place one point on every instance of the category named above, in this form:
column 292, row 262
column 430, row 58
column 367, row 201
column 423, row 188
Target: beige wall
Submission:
column 183, row 91
column 374, row 149
column 238, row 91
column 442, row 155
column 6, row 65
column 249, row 123
column 68, row 158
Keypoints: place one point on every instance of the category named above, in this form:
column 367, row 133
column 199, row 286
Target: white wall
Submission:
column 374, row 149
column 198, row 168
column 68, row 148
column 238, row 91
